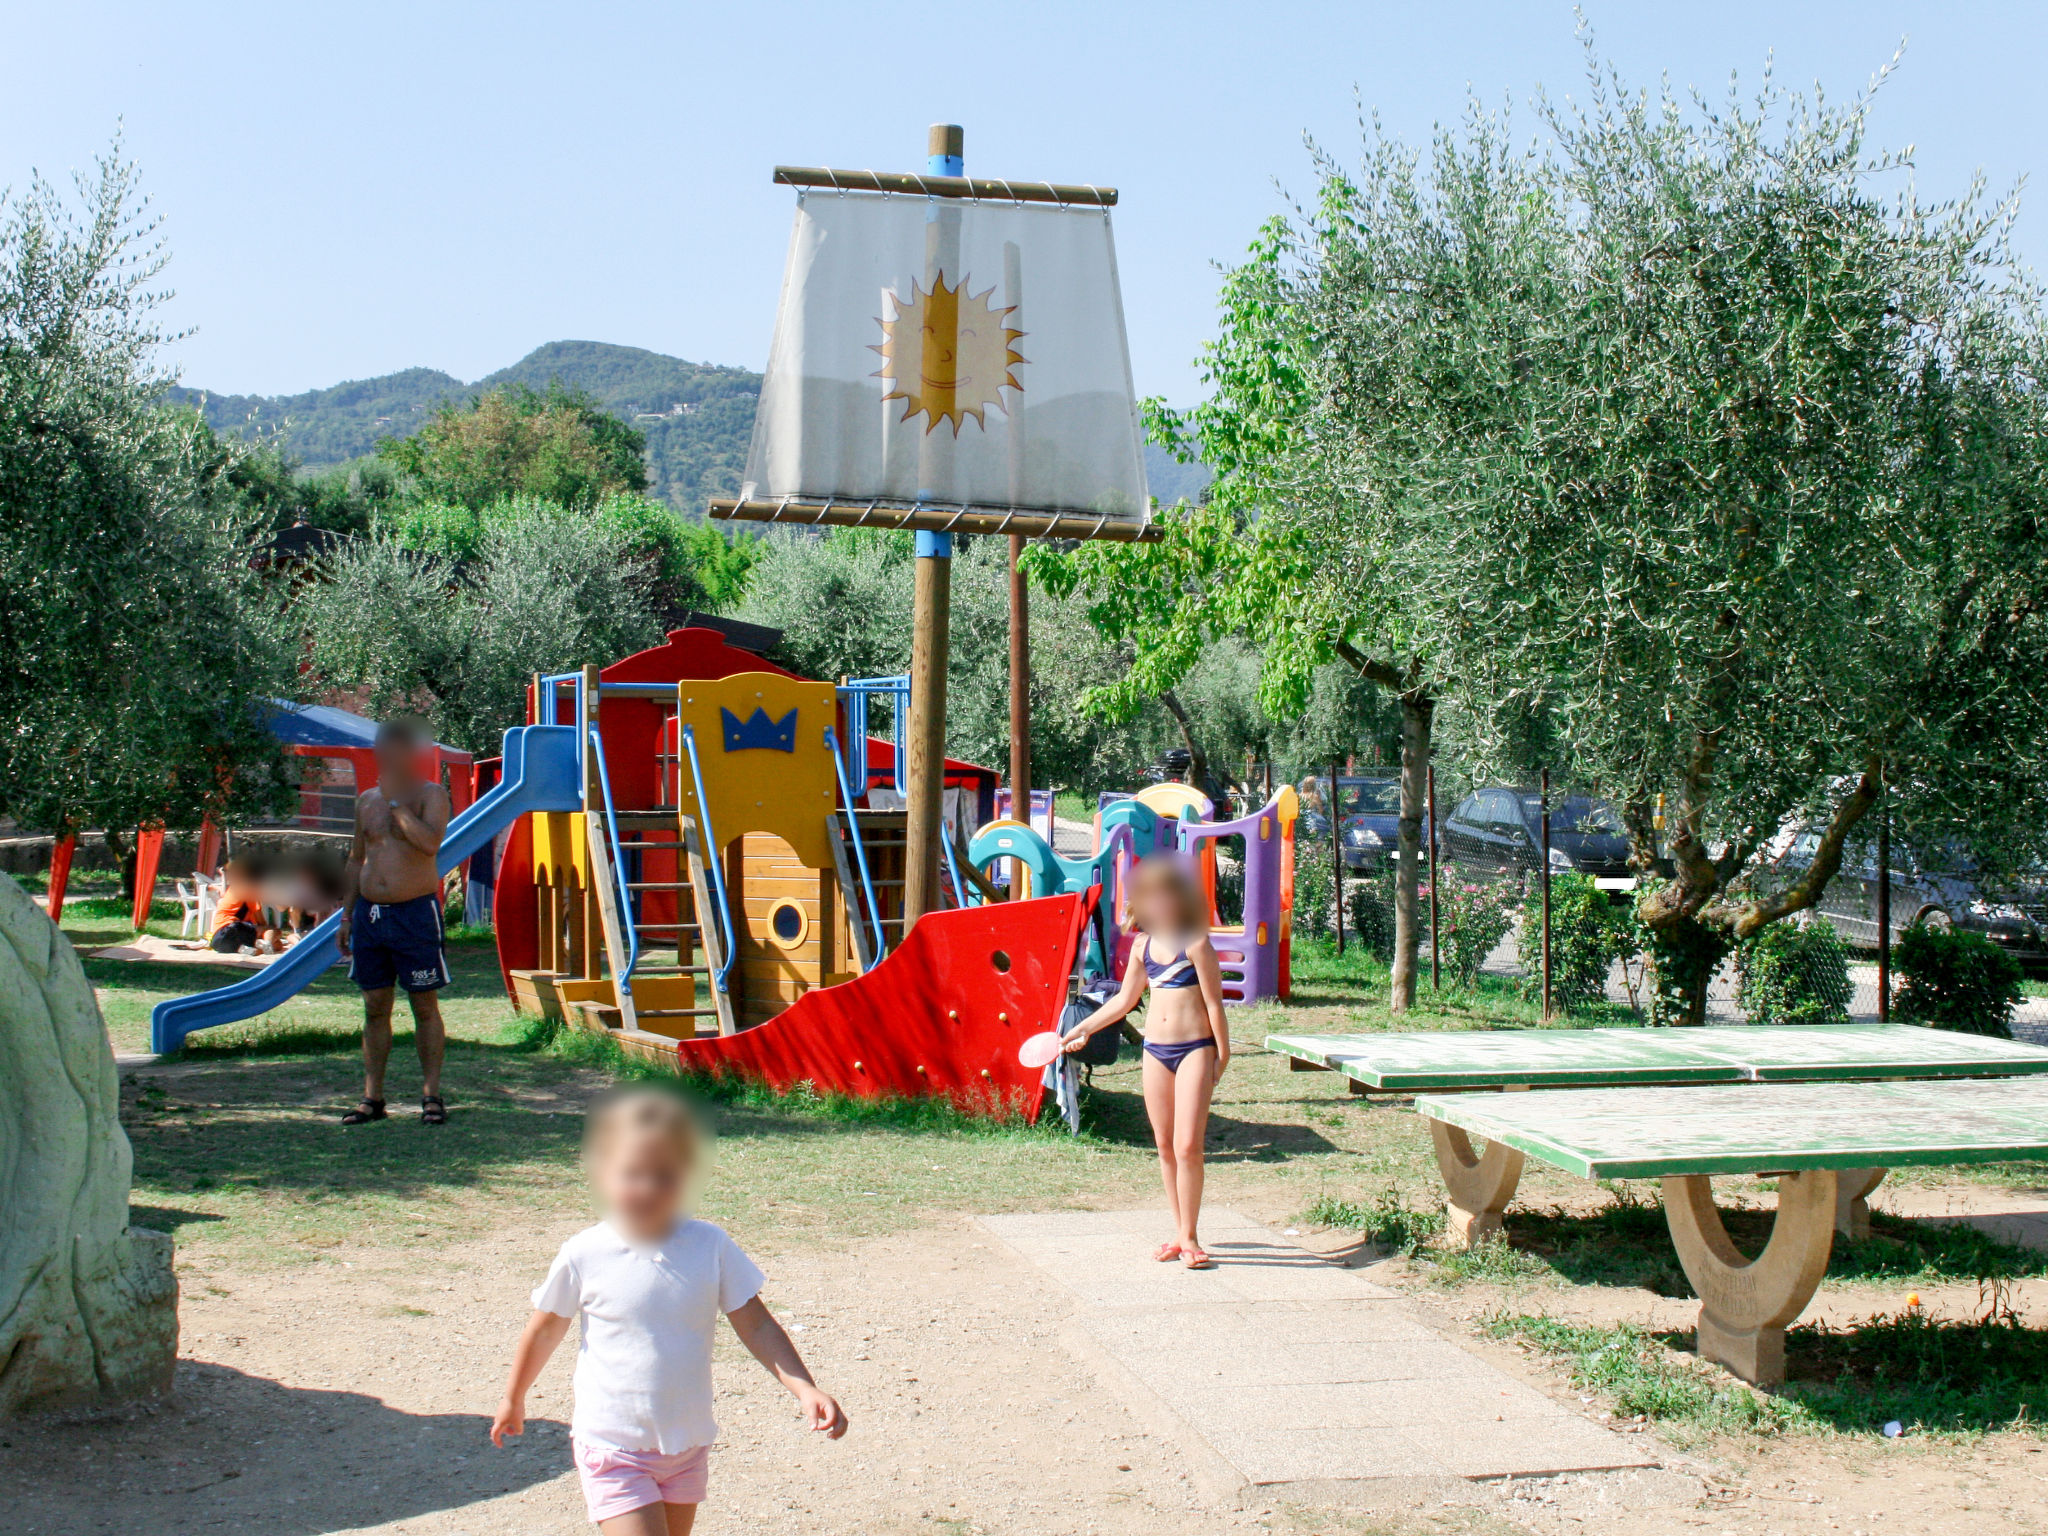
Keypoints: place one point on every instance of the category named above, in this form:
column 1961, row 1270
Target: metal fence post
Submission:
column 1884, row 898
column 1337, row 858
column 1436, row 980
column 1545, row 811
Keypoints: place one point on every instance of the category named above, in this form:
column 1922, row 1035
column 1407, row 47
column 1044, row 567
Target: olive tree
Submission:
column 1685, row 440
column 1677, row 446
column 459, row 643
column 135, row 641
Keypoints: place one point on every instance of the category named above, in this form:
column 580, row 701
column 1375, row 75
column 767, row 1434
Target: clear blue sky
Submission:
column 355, row 189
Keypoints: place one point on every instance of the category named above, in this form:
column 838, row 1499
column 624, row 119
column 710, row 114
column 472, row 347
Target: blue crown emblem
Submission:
column 758, row 732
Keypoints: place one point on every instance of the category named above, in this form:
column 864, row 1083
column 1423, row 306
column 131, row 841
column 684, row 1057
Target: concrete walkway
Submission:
column 1286, row 1369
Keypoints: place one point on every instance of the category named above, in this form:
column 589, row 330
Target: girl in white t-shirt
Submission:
column 649, row 1283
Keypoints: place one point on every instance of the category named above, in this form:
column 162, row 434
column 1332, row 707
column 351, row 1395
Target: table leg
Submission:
column 1745, row 1304
column 1480, row 1184
column 1852, row 1200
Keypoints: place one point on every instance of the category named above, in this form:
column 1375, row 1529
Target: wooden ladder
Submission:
column 698, row 945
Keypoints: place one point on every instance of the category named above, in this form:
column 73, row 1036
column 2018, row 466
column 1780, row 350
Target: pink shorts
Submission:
column 617, row 1482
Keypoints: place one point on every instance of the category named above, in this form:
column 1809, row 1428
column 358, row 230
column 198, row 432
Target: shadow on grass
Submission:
column 233, row 1118
column 264, row 1114
column 1628, row 1244
column 1946, row 1378
column 164, row 1218
column 1119, row 1117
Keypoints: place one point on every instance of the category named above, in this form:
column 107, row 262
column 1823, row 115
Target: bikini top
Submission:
column 1170, row 974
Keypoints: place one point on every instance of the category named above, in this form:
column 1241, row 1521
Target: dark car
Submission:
column 1941, row 888
column 1500, row 831
column 1368, row 819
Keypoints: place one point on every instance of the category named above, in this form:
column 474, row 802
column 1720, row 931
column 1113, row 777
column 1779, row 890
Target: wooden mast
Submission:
column 931, row 615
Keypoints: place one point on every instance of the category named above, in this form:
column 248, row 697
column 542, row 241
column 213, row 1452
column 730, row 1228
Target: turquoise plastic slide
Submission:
column 541, row 774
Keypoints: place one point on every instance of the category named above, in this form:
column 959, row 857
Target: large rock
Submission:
column 88, row 1304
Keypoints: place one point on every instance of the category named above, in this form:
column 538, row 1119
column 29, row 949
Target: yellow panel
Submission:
column 760, row 789
column 579, row 848
column 543, row 847
column 1170, row 800
column 561, row 850
column 1287, row 805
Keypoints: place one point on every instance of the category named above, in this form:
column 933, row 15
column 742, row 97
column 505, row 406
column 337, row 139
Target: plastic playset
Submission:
column 698, row 853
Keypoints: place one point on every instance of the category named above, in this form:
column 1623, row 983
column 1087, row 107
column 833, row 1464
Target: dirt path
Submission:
column 352, row 1394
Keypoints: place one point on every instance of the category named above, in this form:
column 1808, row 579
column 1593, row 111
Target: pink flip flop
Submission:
column 1166, row 1253
column 1194, row 1258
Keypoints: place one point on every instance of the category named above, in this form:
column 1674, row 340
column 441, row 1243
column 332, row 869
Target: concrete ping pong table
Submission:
column 1814, row 1137
column 1827, row 1107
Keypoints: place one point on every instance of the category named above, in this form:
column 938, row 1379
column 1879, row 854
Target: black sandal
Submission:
column 370, row 1109
column 433, row 1110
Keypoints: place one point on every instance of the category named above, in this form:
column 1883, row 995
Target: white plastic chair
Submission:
column 189, row 902
column 209, row 888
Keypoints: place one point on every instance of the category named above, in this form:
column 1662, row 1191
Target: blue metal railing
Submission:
column 623, row 896
column 855, row 692
column 860, row 853
column 713, row 856
column 952, row 864
column 545, row 712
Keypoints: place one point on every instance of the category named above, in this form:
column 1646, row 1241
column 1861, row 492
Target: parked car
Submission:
column 1941, row 888
column 1500, row 831
column 1368, row 820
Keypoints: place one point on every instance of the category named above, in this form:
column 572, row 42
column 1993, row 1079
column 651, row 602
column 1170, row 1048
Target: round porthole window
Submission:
column 788, row 924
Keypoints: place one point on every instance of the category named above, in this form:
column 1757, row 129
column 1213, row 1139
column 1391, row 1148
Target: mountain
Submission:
column 698, row 417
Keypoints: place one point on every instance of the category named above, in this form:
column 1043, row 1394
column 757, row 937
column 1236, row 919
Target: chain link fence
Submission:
column 1488, row 935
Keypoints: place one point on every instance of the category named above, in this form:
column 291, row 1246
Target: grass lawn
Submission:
column 237, row 1151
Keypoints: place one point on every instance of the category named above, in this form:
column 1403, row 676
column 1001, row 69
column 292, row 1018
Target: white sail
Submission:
column 950, row 352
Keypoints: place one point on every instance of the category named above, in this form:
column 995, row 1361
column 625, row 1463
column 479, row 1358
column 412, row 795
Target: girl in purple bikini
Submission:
column 1187, row 1040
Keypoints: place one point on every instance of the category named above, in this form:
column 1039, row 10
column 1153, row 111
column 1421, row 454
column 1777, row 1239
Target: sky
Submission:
column 351, row 190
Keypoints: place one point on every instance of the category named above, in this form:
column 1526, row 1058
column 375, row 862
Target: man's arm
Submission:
column 351, row 876
column 424, row 830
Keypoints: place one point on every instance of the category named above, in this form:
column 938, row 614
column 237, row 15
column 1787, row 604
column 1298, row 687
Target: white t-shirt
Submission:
column 649, row 1311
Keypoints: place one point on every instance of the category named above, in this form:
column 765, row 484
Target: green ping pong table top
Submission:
column 1743, row 1053
column 1640, row 1133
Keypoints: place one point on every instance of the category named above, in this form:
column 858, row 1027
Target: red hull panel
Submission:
column 515, row 914
column 942, row 1015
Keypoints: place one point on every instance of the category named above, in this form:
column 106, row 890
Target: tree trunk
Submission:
column 88, row 1305
column 1198, row 760
column 123, row 848
column 1418, row 715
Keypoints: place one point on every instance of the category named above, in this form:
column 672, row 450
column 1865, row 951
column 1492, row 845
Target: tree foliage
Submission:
column 134, row 640
column 559, row 445
column 1678, row 449
column 685, row 564
column 1688, row 442
column 843, row 603
column 400, row 630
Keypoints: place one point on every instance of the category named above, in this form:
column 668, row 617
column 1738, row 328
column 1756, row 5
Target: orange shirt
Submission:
column 238, row 909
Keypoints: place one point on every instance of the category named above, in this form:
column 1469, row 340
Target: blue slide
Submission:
column 541, row 774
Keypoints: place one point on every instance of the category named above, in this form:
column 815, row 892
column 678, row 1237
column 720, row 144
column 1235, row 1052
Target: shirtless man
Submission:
column 391, row 916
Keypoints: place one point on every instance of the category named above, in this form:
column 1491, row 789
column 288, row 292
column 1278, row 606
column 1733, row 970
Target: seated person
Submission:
column 238, row 917
column 299, row 890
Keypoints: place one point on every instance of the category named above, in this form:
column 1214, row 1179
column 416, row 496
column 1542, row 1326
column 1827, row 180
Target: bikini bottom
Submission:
column 1171, row 1053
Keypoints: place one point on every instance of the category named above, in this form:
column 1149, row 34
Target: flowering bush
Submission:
column 1589, row 931
column 1471, row 921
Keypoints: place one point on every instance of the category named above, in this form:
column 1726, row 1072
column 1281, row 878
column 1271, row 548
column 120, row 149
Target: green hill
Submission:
column 698, row 417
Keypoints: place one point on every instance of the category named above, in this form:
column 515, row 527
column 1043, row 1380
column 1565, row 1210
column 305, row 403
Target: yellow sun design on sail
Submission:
column 948, row 353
